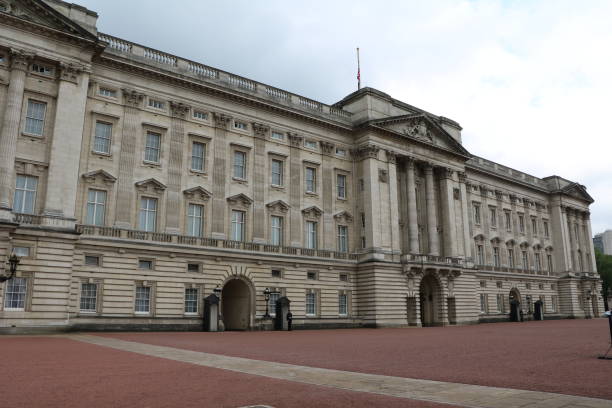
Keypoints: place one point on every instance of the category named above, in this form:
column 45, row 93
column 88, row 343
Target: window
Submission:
column 508, row 217
column 363, row 220
column 89, row 292
column 152, row 147
column 343, row 277
column 493, row 217
column 342, row 304
column 21, row 251
column 191, row 300
column 25, row 194
column 142, row 303
column 276, row 236
column 41, row 69
column 538, row 262
column 200, row 115
column 238, row 225
column 92, row 260
column 534, row 225
column 35, row 118
column 483, row 303
column 553, row 304
column 145, row 264
column 277, row 273
column 96, row 207
column 240, row 125
column 311, row 180
column 311, row 275
column 496, row 261
column 483, row 284
column 541, row 286
column 148, row 214
column 480, row 253
column 277, row 136
column 195, row 216
column 277, row 172
column 310, row 144
column 109, row 93
column 546, row 231
column 311, row 234
column 500, row 302
column 193, row 267
column 311, row 304
column 342, row 238
column 477, row 214
column 549, row 262
column 198, row 154
column 511, row 257
column 102, row 137
column 340, row 152
column 528, row 286
column 15, row 295
column 521, row 219
column 274, row 296
column 341, row 185
column 525, row 260
column 363, row 242
column 499, row 284
column 240, row 165
column 157, row 104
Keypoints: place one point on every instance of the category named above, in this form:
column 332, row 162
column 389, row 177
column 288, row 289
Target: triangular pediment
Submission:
column 343, row 216
column 278, row 205
column 240, row 199
column 422, row 128
column 312, row 212
column 198, row 192
column 39, row 12
column 150, row 184
column 577, row 191
column 100, row 175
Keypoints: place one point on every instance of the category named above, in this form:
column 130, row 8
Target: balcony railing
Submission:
column 121, row 233
column 436, row 259
column 528, row 271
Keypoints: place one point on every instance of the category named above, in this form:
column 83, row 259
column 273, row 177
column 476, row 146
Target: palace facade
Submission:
column 134, row 182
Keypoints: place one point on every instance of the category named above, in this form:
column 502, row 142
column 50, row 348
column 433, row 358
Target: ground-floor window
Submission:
column 143, row 299
column 274, row 296
column 343, row 304
column 483, row 303
column 500, row 302
column 89, row 293
column 191, row 300
column 311, row 304
column 554, row 304
column 15, row 295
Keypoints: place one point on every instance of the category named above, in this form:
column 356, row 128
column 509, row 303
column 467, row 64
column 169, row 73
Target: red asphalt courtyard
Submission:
column 551, row 356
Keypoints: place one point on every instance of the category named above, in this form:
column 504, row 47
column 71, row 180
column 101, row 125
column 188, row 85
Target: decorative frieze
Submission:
column 132, row 97
column 260, row 130
column 327, row 148
column 221, row 120
column 179, row 109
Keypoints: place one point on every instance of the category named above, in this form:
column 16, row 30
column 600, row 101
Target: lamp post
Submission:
column 217, row 291
column 266, row 293
column 13, row 261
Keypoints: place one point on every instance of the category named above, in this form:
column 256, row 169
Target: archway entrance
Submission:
column 515, row 305
column 235, row 305
column 429, row 294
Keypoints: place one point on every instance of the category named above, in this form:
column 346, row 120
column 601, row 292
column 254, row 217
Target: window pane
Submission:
column 88, row 297
column 274, row 296
column 197, row 156
column 238, row 225
column 35, row 116
column 191, row 300
column 102, row 140
column 239, row 165
column 25, row 194
column 15, row 294
column 195, row 214
column 148, row 213
column 143, row 294
column 152, row 147
column 342, row 304
column 311, row 304
column 96, row 204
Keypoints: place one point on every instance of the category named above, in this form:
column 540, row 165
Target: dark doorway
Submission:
column 235, row 308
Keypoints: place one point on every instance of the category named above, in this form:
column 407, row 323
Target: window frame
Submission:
column 311, row 240
column 96, row 206
column 108, row 140
column 204, row 148
column 310, row 186
column 340, row 245
column 25, row 194
column 148, row 148
column 341, row 188
column 279, row 228
column 191, row 218
column 155, row 212
column 242, row 225
column 23, row 297
column 149, row 299
column 244, row 175
column 96, row 297
column 280, row 174
column 28, row 118
column 191, row 301
column 477, row 216
column 310, row 294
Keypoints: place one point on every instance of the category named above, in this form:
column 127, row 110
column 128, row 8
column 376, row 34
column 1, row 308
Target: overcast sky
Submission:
column 529, row 81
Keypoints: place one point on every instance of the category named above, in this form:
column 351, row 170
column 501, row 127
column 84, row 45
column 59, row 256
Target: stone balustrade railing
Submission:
column 435, row 259
column 215, row 76
column 121, row 233
column 491, row 166
column 529, row 271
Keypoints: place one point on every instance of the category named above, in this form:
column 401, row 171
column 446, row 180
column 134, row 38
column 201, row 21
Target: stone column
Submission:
column 328, row 181
column 393, row 203
column 571, row 220
column 591, row 249
column 64, row 158
column 218, row 177
column 259, row 182
column 127, row 158
column 413, row 222
column 295, row 189
column 465, row 192
column 448, row 206
column 175, row 167
column 10, row 130
column 432, row 221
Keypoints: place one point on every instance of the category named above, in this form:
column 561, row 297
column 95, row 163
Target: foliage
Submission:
column 604, row 267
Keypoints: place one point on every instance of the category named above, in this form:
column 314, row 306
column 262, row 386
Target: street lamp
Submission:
column 13, row 262
column 266, row 293
column 217, row 291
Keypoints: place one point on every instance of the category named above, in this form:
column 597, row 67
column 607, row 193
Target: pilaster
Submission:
column 448, row 211
column 221, row 122
column 413, row 222
column 259, row 182
column 327, row 177
column 465, row 215
column 393, row 202
column 295, row 188
column 178, row 111
column 432, row 221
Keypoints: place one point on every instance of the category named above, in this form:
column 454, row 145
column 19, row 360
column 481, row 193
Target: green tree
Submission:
column 604, row 267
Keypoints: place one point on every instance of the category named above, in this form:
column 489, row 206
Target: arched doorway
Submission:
column 515, row 305
column 430, row 297
column 235, row 305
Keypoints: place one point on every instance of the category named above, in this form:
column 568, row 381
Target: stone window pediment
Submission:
column 344, row 217
column 278, row 206
column 99, row 176
column 150, row 185
column 312, row 212
column 198, row 193
column 241, row 200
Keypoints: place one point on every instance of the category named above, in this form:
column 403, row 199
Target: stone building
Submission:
column 603, row 242
column 134, row 182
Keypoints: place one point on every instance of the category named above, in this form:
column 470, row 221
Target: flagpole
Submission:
column 358, row 71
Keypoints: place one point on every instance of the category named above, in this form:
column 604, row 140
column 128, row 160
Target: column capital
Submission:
column 20, row 59
column 260, row 130
column 391, row 156
column 294, row 139
column 446, row 173
column 462, row 176
column 428, row 167
column 366, row 151
column 70, row 72
column 327, row 148
column 221, row 120
column 179, row 109
column 132, row 97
